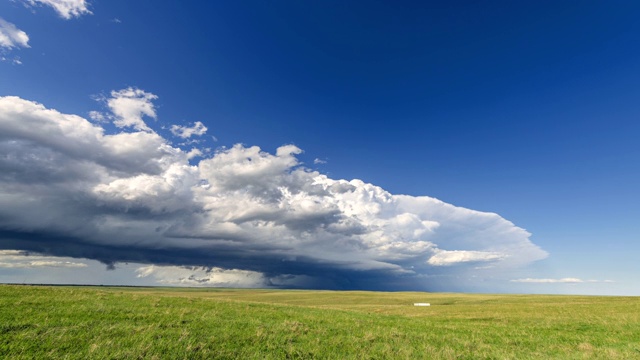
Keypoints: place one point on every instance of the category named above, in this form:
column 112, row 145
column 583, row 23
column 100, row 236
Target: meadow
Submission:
column 57, row 322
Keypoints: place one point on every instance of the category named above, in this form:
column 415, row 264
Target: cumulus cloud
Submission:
column 67, row 9
column 127, row 109
column 11, row 36
column 129, row 106
column 186, row 132
column 69, row 188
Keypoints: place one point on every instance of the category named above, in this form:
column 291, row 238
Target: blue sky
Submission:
column 526, row 110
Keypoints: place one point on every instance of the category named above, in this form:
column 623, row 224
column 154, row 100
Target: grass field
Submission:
column 39, row 322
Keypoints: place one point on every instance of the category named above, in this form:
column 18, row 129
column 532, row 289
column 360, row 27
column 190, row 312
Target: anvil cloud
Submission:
column 69, row 188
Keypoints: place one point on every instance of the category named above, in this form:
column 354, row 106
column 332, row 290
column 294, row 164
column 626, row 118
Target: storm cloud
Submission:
column 69, row 188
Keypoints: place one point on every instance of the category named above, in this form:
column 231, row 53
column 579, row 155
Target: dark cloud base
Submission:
column 319, row 275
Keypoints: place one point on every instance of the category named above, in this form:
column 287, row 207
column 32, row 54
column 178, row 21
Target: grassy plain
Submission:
column 39, row 322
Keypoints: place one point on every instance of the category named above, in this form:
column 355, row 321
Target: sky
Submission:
column 454, row 146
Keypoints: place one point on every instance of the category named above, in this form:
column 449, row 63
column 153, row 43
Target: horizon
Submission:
column 470, row 148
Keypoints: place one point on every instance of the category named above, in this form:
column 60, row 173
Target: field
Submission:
column 38, row 322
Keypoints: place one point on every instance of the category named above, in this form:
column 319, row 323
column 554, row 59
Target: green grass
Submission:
column 38, row 322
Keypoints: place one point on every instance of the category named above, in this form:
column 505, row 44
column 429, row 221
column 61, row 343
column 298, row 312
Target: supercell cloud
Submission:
column 240, row 217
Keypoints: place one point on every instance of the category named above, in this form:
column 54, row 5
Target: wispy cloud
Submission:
column 11, row 36
column 558, row 281
column 15, row 60
column 67, row 9
column 21, row 259
column 186, row 132
column 69, row 188
column 448, row 258
column 98, row 116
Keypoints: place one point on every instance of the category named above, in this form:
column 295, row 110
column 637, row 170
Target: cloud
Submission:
column 448, row 258
column 69, row 188
column 558, row 281
column 67, row 9
column 186, row 132
column 203, row 276
column 319, row 161
column 97, row 116
column 15, row 60
column 11, row 36
column 21, row 259
column 129, row 106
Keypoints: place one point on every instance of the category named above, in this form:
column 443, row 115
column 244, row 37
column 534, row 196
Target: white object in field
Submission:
column 421, row 304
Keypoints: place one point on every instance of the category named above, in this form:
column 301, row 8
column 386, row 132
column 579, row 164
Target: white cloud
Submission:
column 11, row 36
column 194, row 153
column 98, row 116
column 319, row 161
column 186, row 132
column 15, row 60
column 557, row 281
column 42, row 263
column 203, row 276
column 129, row 106
column 21, row 259
column 447, row 258
column 67, row 9
column 132, row 197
